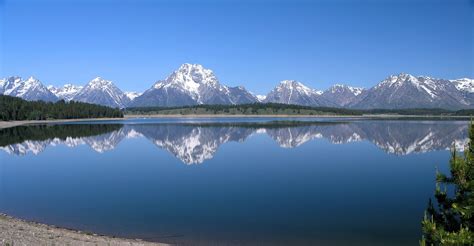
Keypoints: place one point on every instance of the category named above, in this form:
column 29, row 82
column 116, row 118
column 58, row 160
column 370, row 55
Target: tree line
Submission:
column 14, row 108
column 289, row 109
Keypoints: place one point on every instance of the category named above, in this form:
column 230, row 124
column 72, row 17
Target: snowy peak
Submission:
column 407, row 91
column 192, row 84
column 9, row 84
column 343, row 95
column 31, row 89
column 341, row 88
column 100, row 83
column 67, row 92
column 132, row 94
column 464, row 84
column 103, row 92
column 294, row 92
column 423, row 84
column 190, row 77
column 397, row 80
column 261, row 98
column 296, row 86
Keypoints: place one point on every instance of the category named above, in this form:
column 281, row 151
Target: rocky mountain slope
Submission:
column 31, row 89
column 407, row 91
column 66, row 92
column 343, row 95
column 103, row 92
column 192, row 84
column 294, row 92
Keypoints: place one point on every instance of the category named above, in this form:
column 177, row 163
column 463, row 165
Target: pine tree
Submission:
column 450, row 220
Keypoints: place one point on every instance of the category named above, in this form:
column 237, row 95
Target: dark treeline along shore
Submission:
column 14, row 108
column 287, row 109
column 17, row 109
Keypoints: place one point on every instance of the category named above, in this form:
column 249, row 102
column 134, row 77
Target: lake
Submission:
column 230, row 181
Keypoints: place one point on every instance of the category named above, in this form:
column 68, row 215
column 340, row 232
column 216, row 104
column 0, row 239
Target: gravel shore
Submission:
column 19, row 232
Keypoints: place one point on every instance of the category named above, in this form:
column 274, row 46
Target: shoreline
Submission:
column 8, row 124
column 15, row 231
column 365, row 116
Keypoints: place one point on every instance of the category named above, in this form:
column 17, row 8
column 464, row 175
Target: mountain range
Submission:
column 192, row 84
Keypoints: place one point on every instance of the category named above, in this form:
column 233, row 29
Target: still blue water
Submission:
column 229, row 181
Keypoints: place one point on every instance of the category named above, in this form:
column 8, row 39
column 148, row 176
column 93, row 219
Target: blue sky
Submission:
column 250, row 43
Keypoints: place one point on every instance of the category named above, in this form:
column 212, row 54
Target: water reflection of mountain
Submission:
column 34, row 139
column 195, row 143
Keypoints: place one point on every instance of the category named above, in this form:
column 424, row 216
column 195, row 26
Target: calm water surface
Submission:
column 229, row 181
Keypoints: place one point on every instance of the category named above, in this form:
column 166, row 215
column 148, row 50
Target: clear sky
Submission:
column 250, row 43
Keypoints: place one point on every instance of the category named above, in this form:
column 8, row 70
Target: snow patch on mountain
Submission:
column 132, row 94
column 103, row 92
column 192, row 84
column 464, row 84
column 31, row 89
column 66, row 92
column 294, row 92
column 261, row 98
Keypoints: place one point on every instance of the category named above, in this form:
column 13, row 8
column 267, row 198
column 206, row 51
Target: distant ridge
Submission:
column 193, row 84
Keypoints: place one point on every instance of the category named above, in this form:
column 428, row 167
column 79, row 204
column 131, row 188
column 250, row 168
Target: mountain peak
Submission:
column 132, row 94
column 291, row 83
column 188, row 66
column 66, row 92
column 298, row 86
column 98, row 79
column 194, row 72
column 464, row 84
column 30, row 89
column 102, row 91
column 294, row 92
column 99, row 83
column 340, row 88
column 32, row 80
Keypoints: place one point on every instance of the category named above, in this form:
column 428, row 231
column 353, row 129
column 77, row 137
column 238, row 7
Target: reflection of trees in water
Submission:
column 19, row 134
column 34, row 139
column 450, row 220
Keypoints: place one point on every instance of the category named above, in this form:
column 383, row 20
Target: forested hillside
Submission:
column 288, row 109
column 14, row 108
column 244, row 109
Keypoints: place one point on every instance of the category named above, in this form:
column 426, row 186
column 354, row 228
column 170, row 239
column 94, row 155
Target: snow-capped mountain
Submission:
column 132, row 94
column 66, row 92
column 466, row 87
column 103, row 92
column 464, row 84
column 343, row 95
column 31, row 89
column 261, row 98
column 294, row 92
column 191, row 84
column 240, row 95
column 407, row 91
